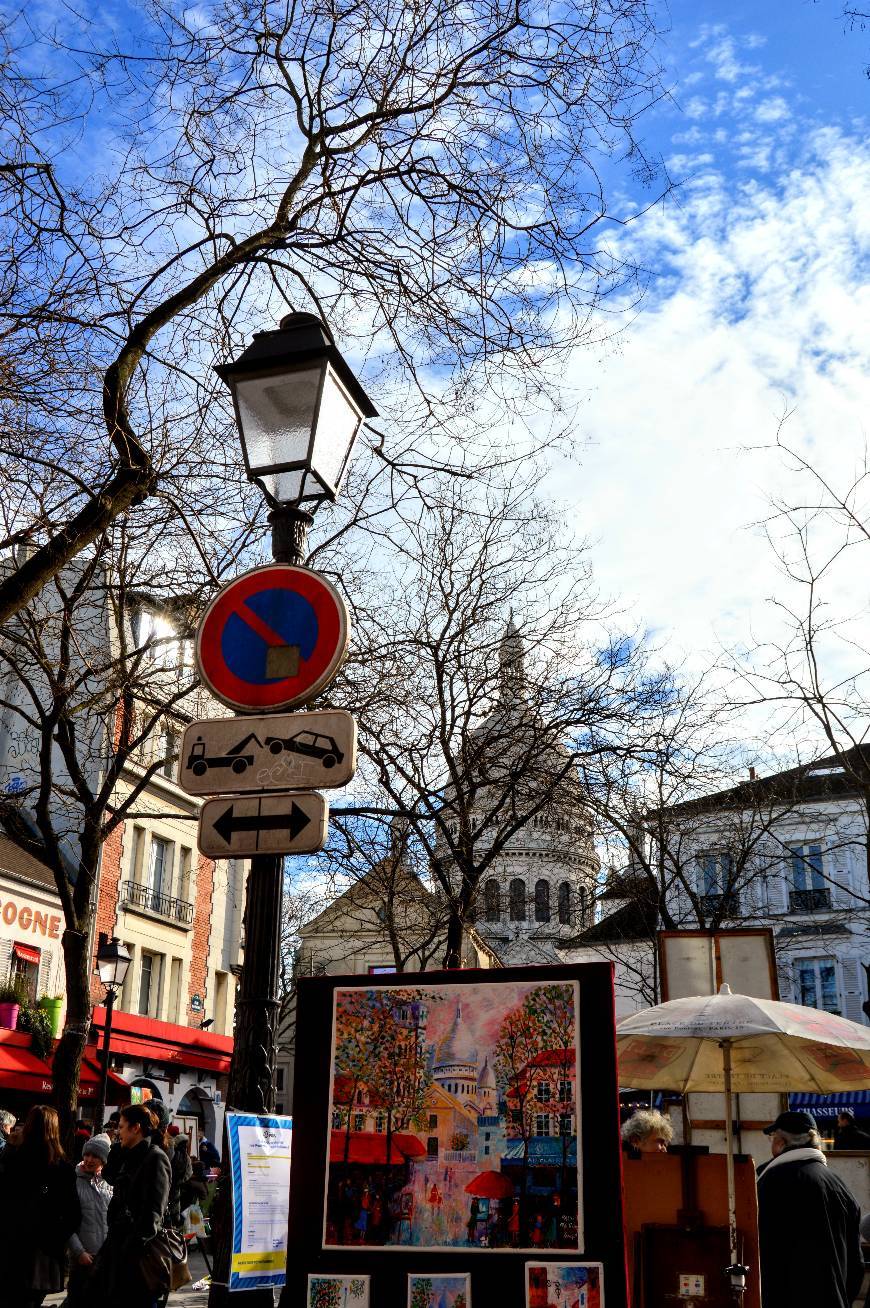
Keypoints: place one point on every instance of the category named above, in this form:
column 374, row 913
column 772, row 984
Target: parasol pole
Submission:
column 725, row 1046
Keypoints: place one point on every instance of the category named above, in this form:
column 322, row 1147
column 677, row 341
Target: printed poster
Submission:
column 260, row 1162
column 445, row 1102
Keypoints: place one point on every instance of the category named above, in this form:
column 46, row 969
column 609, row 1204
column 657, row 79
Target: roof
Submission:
column 167, row 1042
column 371, row 1147
column 16, row 862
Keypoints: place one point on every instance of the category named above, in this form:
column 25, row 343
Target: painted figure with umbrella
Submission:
column 485, row 1187
column 738, row 1044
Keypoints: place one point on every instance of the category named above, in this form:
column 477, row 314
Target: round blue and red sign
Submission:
column 272, row 638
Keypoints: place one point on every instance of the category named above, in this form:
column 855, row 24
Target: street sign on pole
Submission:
column 298, row 751
column 266, row 824
column 272, row 638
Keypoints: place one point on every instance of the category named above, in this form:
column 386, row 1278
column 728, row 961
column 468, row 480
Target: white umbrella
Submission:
column 739, row 1044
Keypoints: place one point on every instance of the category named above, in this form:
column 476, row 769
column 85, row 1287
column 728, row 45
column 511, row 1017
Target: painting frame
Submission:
column 561, row 1276
column 437, row 1288
column 341, row 1278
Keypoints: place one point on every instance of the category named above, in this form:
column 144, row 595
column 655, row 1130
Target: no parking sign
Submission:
column 272, row 638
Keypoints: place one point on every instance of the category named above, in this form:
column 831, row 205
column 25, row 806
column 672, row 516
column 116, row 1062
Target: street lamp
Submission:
column 299, row 410
column 112, row 963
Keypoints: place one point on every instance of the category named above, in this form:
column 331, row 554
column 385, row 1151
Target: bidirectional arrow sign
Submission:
column 298, row 751
column 266, row 824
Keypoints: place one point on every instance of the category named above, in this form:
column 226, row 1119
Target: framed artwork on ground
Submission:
column 564, row 1285
column 337, row 1291
column 439, row 1290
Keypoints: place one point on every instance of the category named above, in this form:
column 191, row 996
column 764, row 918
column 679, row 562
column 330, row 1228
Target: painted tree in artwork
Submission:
column 553, row 1009
column 421, row 1292
column 324, row 1292
column 399, row 1079
column 362, row 1025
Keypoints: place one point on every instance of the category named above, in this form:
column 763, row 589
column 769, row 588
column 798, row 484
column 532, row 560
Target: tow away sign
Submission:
column 299, row 751
column 265, row 824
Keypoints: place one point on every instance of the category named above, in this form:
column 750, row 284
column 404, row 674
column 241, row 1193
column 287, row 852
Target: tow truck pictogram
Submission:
column 199, row 763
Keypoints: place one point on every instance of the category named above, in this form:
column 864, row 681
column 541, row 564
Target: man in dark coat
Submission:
column 139, row 1202
column 807, row 1222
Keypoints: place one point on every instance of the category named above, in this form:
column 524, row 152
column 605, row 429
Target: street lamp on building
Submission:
column 299, row 410
column 112, row 963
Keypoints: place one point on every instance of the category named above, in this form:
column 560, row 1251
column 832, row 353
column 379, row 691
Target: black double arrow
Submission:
column 293, row 822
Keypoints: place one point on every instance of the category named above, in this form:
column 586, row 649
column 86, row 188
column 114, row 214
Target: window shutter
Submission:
column 853, row 990
column 777, row 889
column 840, row 878
column 43, row 980
column 5, row 959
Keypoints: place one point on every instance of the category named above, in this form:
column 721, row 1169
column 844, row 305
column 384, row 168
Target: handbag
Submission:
column 163, row 1264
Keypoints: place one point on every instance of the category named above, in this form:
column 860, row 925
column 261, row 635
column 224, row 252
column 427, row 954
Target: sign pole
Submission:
column 252, row 1067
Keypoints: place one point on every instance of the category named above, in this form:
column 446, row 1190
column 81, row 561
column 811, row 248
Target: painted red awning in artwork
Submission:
column 370, row 1147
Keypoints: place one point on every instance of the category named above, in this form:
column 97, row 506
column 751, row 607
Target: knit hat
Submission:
column 163, row 1111
column 174, row 1130
column 99, row 1145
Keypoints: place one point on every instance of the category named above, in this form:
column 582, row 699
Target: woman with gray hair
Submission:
column 7, row 1121
column 647, row 1132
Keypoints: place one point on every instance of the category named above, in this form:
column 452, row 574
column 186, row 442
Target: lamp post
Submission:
column 112, row 963
column 299, row 410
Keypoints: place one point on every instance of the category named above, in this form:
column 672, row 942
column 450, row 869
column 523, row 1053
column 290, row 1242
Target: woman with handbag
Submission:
column 134, row 1268
column 39, row 1210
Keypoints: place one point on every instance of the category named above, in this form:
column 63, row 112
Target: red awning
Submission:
column 369, row 1147
column 166, row 1042
column 20, row 1069
column 26, row 952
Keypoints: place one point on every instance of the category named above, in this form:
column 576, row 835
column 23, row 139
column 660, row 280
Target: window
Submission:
column 518, row 900
column 543, row 1091
column 542, row 901
column 433, row 1121
column 336, row 1121
column 565, row 1092
column 359, row 1121
column 160, row 867
column 432, row 1146
column 806, row 867
column 146, row 979
column 380, row 1124
column 715, row 872
column 542, row 1124
column 492, row 901
column 566, row 1124
column 817, row 984
column 565, row 904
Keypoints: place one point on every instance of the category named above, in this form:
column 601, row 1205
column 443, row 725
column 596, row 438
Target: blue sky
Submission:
column 757, row 305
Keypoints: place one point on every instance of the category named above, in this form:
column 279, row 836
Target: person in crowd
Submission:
column 181, row 1170
column 136, row 1212
column 195, row 1188
column 39, row 1210
column 7, row 1122
column 85, row 1243
column 208, row 1155
column 647, row 1132
column 808, row 1222
column 847, row 1135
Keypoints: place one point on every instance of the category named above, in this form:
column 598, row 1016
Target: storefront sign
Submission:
column 260, row 1160
column 27, row 917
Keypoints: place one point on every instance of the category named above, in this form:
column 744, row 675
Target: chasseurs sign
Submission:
column 264, row 824
column 298, row 751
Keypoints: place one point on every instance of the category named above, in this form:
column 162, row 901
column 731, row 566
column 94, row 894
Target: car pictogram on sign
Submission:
column 308, row 743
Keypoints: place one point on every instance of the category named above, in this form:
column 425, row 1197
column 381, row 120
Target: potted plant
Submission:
column 37, row 1023
column 11, row 998
column 52, row 1004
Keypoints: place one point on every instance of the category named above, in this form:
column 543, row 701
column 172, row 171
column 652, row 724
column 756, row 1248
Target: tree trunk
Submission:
column 453, row 955
column 67, row 1062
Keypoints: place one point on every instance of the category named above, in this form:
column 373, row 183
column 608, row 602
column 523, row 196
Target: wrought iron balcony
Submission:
column 134, row 895
column 809, row 901
column 720, row 905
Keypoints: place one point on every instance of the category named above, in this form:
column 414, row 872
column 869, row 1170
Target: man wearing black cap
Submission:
column 807, row 1222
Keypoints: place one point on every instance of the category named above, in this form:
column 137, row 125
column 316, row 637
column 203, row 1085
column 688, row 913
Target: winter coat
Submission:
column 94, row 1197
column 39, row 1210
column 181, row 1170
column 808, row 1234
column 139, row 1201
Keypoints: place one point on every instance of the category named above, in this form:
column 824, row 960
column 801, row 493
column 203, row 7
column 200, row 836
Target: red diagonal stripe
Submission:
column 257, row 624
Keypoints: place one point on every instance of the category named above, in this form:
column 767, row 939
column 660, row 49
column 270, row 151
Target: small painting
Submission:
column 453, row 1118
column 439, row 1290
column 564, row 1285
column 330, row 1291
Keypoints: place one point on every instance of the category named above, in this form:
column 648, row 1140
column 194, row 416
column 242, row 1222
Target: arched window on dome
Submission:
column 492, row 900
column 542, row 901
column 584, row 904
column 518, row 900
column 565, row 904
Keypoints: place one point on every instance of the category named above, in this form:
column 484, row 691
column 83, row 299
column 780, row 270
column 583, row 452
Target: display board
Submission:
column 453, row 1127
column 260, row 1168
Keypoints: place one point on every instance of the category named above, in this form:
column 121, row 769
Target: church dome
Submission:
column 486, row 1079
column 458, row 1046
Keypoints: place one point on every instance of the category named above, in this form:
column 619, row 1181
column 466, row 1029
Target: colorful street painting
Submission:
column 440, row 1290
column 453, row 1117
column 330, row 1291
column 564, row 1285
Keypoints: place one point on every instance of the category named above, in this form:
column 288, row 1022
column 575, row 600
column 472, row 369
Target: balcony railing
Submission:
column 809, row 901
column 134, row 895
column 720, row 905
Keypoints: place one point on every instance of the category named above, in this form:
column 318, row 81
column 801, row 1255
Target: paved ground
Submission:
column 186, row 1298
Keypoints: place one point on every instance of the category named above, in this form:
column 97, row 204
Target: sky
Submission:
column 756, row 306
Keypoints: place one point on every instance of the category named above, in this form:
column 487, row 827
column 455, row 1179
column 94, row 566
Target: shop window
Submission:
column 25, row 968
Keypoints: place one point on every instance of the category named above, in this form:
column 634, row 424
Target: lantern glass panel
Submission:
column 337, row 425
column 113, row 967
column 275, row 417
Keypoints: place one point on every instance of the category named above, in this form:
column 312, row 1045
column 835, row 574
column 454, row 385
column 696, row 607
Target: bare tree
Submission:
column 427, row 179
